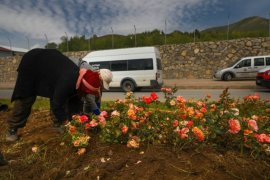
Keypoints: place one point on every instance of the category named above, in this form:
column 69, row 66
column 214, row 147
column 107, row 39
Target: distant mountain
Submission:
column 250, row 27
column 249, row 24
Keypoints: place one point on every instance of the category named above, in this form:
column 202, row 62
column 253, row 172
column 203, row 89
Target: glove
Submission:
column 96, row 112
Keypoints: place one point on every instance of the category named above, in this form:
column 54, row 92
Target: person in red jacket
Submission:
column 91, row 92
column 49, row 73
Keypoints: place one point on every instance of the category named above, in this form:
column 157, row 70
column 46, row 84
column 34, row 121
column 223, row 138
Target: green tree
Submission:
column 51, row 45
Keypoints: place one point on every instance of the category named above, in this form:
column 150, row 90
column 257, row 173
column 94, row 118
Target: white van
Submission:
column 132, row 68
column 246, row 67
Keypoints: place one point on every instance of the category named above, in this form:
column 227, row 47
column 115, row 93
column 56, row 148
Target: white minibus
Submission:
column 132, row 68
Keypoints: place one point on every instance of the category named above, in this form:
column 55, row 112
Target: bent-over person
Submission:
column 49, row 73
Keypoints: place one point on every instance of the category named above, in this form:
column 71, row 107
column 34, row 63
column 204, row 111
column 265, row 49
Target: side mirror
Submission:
column 237, row 66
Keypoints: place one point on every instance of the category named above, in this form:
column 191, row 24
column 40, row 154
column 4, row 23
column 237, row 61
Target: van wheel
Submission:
column 128, row 85
column 227, row 77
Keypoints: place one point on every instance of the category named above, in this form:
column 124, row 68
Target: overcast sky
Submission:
column 23, row 21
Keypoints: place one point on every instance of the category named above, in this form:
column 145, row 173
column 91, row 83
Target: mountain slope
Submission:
column 254, row 23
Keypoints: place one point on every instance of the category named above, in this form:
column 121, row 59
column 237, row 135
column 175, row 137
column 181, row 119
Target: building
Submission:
column 11, row 51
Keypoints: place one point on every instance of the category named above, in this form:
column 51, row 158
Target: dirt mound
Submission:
column 56, row 159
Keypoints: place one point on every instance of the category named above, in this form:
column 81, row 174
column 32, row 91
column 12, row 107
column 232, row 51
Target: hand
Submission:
column 65, row 123
column 96, row 112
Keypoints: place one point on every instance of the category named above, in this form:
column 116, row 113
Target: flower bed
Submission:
column 224, row 124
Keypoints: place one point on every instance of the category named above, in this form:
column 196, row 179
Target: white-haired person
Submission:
column 49, row 73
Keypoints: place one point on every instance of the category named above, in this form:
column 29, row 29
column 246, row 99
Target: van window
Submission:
column 267, row 61
column 245, row 63
column 119, row 65
column 140, row 64
column 258, row 61
column 100, row 65
column 124, row 65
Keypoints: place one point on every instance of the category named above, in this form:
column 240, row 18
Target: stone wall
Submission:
column 200, row 60
column 9, row 65
column 188, row 61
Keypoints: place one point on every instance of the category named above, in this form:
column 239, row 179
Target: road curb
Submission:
column 7, row 85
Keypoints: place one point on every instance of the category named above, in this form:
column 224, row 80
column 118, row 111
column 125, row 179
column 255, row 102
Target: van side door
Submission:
column 259, row 63
column 243, row 69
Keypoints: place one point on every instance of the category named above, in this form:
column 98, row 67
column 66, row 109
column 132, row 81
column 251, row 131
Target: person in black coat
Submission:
column 49, row 73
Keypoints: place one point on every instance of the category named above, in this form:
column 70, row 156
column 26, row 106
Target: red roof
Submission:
column 4, row 49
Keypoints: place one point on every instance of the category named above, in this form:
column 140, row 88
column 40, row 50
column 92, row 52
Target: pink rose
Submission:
column 234, row 126
column 253, row 125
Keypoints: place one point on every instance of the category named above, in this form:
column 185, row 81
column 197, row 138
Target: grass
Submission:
column 42, row 103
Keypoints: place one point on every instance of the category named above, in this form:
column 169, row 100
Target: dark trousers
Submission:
column 74, row 106
column 21, row 111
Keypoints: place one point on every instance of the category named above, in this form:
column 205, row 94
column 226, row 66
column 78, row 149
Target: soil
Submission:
column 56, row 159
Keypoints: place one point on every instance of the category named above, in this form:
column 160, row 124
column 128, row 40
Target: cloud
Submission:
column 31, row 22
column 55, row 18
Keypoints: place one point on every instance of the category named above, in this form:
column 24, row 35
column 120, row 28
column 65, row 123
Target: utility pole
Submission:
column 228, row 27
column 89, row 43
column 194, row 35
column 27, row 42
column 269, row 24
column 112, row 38
column 194, row 32
column 165, row 40
column 46, row 38
column 67, row 40
column 135, row 36
column 93, row 40
column 10, row 46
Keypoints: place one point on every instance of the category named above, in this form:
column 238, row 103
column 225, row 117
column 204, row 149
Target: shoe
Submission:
column 2, row 160
column 60, row 123
column 59, row 127
column 11, row 135
column 3, row 107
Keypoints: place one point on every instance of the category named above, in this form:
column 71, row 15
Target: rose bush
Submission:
column 226, row 124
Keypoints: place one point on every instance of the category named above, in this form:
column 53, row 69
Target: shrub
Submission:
column 224, row 124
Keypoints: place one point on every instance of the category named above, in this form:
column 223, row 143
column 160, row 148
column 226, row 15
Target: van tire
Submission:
column 227, row 76
column 128, row 85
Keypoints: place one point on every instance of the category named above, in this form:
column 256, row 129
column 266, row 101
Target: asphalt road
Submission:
column 189, row 88
column 187, row 93
column 196, row 94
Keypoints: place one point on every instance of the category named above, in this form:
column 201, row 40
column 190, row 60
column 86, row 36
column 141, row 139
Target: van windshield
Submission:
column 232, row 64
